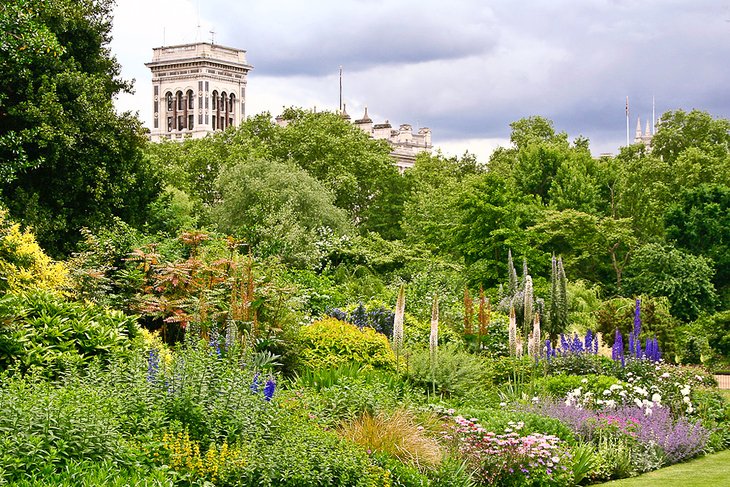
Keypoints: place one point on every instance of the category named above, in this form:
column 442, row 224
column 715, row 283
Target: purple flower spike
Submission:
column 269, row 389
column 637, row 318
column 255, row 384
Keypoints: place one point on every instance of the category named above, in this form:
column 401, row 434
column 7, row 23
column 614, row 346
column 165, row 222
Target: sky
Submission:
column 464, row 68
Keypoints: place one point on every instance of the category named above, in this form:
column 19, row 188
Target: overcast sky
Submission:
column 464, row 68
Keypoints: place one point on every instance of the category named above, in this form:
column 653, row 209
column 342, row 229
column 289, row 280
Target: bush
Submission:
column 330, row 342
column 44, row 330
column 44, row 427
column 456, row 373
column 350, row 397
column 506, row 421
column 558, row 386
column 23, row 264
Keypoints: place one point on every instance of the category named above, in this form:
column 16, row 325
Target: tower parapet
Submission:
column 197, row 89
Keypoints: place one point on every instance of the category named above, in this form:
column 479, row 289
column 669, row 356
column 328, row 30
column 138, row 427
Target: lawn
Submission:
column 707, row 471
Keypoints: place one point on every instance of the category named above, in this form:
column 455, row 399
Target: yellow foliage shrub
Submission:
column 23, row 264
column 329, row 343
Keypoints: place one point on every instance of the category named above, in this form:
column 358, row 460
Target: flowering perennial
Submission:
column 511, row 459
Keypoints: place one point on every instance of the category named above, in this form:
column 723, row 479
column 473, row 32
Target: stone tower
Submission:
column 197, row 89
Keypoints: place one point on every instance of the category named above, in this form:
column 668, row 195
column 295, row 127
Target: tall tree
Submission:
column 68, row 159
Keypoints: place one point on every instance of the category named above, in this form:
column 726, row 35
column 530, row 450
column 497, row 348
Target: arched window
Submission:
column 191, row 120
column 191, row 99
column 232, row 103
column 169, row 101
column 179, row 97
column 223, row 101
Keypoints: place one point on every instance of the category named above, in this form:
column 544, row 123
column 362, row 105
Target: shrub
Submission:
column 505, row 421
column 330, row 342
column 351, row 397
column 23, row 264
column 558, row 386
column 44, row 330
column 456, row 373
column 44, row 427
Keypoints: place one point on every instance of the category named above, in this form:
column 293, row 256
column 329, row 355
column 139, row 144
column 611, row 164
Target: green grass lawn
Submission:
column 726, row 394
column 709, row 471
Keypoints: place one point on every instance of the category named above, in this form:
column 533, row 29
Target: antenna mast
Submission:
column 340, row 88
column 627, row 121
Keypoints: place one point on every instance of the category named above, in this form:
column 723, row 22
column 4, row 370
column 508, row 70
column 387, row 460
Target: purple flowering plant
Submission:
column 678, row 438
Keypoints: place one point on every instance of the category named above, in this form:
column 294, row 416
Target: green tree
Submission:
column 679, row 131
column 685, row 279
column 699, row 222
column 357, row 169
column 279, row 209
column 492, row 218
column 68, row 159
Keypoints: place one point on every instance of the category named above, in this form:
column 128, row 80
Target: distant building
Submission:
column 197, row 89
column 643, row 137
column 406, row 145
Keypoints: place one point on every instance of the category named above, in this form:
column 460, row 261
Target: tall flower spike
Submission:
column 512, row 331
column 637, row 319
column 269, row 389
column 400, row 309
column 433, row 339
column 536, row 333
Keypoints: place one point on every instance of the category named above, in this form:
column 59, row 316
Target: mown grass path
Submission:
column 709, row 471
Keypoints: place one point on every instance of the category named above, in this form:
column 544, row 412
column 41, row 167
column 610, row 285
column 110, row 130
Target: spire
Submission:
column 638, row 128
column 647, row 132
column 365, row 118
column 344, row 112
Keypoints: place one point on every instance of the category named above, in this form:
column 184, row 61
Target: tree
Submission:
column 685, row 279
column 357, row 169
column 491, row 218
column 699, row 222
column 679, row 131
column 69, row 160
column 278, row 209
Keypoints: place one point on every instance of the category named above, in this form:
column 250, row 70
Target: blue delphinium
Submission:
column 269, row 389
column 548, row 349
column 153, row 365
column 214, row 342
column 358, row 317
column 617, row 353
column 255, row 383
column 637, row 318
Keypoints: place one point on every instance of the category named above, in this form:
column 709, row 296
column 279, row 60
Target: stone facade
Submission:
column 406, row 145
column 643, row 137
column 197, row 89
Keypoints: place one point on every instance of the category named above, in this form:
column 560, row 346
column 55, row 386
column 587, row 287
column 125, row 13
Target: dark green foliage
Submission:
column 557, row 317
column 72, row 161
column 656, row 321
column 685, row 279
column 699, row 222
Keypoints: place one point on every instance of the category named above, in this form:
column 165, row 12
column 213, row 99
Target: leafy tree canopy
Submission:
column 67, row 158
column 685, row 279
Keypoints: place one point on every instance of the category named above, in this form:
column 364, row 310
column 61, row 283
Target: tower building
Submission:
column 197, row 89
